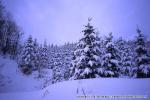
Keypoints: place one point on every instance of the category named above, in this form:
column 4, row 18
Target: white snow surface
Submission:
column 21, row 87
column 12, row 80
column 71, row 90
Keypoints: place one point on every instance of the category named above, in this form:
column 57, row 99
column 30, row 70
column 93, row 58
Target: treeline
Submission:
column 97, row 57
column 40, row 57
column 10, row 33
column 91, row 57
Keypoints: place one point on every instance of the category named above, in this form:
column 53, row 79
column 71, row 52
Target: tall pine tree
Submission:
column 127, row 62
column 141, row 59
column 44, row 56
column 86, row 58
column 27, row 57
column 110, row 59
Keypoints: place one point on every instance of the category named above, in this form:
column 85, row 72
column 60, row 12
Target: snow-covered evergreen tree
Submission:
column 86, row 58
column 27, row 57
column 100, row 51
column 125, row 58
column 142, row 59
column 44, row 56
column 110, row 59
column 60, row 60
column 127, row 62
column 52, row 50
column 57, row 75
column 120, row 44
column 37, row 59
column 67, row 54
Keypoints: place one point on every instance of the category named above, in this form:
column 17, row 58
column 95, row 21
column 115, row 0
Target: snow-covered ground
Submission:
column 11, row 80
column 16, row 86
column 73, row 90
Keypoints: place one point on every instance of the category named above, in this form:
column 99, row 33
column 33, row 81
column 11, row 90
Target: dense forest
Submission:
column 91, row 57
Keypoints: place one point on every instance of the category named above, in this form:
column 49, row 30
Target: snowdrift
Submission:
column 76, row 90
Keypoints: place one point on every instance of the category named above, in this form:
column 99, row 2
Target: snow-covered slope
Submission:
column 16, row 86
column 11, row 80
column 71, row 90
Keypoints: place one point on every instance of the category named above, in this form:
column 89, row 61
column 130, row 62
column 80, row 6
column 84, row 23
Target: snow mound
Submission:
column 75, row 90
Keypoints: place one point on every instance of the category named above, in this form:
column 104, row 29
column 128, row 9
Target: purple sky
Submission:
column 60, row 21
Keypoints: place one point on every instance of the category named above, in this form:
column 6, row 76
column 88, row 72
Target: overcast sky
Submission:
column 60, row 21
